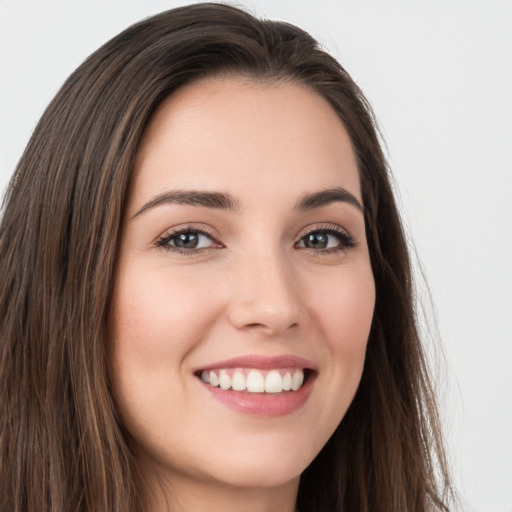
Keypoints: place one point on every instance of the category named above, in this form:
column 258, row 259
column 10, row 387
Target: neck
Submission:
column 190, row 495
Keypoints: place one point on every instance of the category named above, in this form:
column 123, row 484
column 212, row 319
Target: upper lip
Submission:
column 262, row 362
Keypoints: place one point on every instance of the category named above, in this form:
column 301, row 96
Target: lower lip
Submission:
column 263, row 404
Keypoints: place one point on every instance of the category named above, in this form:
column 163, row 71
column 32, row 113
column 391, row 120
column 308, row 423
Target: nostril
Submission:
column 270, row 329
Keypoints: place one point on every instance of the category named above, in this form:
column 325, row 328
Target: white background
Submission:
column 439, row 75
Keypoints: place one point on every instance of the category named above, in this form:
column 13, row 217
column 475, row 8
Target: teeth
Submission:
column 224, row 380
column 297, row 380
column 287, row 382
column 238, row 381
column 255, row 381
column 273, row 382
column 214, row 380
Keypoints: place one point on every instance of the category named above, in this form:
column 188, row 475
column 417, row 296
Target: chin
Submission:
column 263, row 463
column 259, row 474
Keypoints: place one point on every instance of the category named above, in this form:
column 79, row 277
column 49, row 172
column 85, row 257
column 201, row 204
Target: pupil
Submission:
column 187, row 240
column 317, row 240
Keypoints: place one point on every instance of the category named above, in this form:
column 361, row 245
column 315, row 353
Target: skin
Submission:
column 255, row 287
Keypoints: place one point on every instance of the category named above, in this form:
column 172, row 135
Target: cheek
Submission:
column 344, row 313
column 345, row 310
column 159, row 317
column 155, row 322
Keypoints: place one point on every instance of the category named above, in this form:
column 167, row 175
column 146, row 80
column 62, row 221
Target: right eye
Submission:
column 187, row 240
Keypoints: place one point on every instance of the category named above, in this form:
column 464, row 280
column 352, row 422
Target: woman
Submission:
column 207, row 299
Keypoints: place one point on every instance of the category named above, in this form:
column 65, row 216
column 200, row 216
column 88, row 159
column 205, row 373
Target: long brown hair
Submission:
column 62, row 445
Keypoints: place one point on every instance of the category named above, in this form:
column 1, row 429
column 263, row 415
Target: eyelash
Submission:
column 164, row 241
column 346, row 241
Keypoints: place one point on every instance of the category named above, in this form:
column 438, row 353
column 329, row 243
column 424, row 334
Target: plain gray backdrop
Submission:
column 439, row 76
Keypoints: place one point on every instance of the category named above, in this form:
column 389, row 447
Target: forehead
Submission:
column 239, row 133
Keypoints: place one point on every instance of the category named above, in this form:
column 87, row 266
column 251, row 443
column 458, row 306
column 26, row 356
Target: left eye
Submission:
column 325, row 239
column 189, row 239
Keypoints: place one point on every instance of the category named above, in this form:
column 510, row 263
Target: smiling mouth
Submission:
column 253, row 380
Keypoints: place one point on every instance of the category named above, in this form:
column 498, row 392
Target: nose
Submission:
column 265, row 297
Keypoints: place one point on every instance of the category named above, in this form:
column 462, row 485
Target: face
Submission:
column 244, row 293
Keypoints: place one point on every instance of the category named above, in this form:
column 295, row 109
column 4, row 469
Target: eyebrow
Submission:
column 225, row 201
column 326, row 197
column 216, row 200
